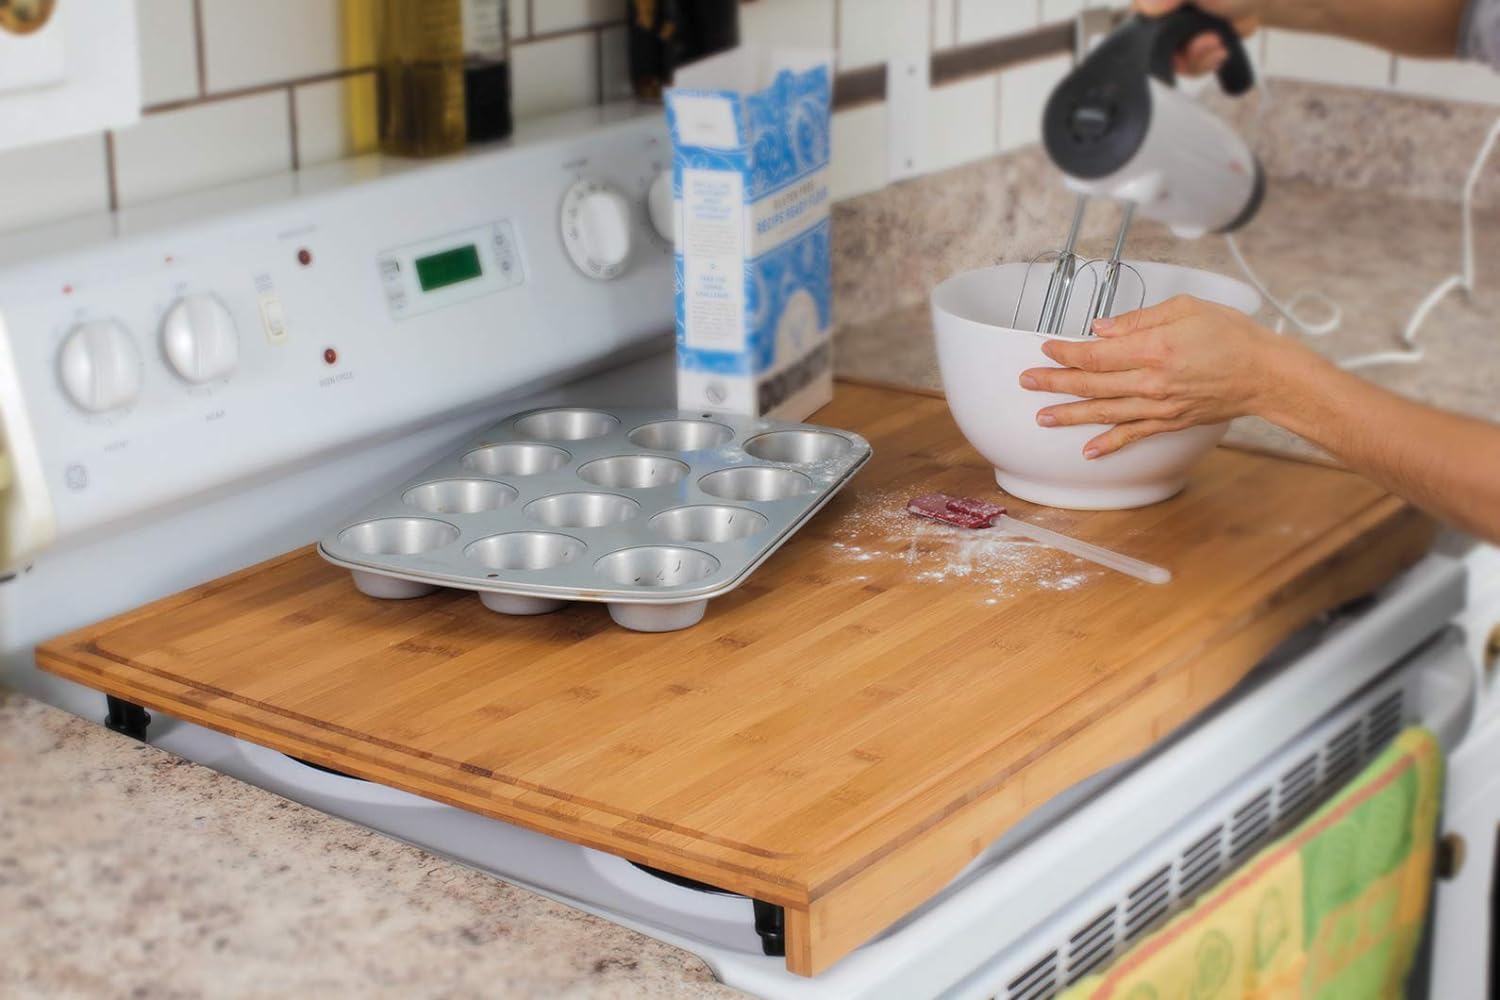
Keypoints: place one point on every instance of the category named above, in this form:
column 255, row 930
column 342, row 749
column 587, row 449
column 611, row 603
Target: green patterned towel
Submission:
column 1333, row 911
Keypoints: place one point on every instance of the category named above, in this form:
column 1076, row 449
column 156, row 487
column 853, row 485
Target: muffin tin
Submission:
column 653, row 513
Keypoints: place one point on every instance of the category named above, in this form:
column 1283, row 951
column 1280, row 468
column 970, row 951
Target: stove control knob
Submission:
column 660, row 208
column 200, row 340
column 99, row 366
column 596, row 229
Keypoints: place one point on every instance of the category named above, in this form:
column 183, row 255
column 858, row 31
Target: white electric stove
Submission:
column 193, row 387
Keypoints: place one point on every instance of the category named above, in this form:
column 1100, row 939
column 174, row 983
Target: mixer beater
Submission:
column 1068, row 267
column 1119, row 129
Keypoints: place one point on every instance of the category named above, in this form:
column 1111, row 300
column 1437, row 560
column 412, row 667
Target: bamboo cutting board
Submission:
column 877, row 704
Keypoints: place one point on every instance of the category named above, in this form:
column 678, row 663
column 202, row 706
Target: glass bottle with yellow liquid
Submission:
column 443, row 74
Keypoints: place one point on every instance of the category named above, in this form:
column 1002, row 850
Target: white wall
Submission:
column 236, row 88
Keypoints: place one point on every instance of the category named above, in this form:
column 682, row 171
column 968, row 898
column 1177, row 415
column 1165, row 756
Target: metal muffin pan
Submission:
column 651, row 512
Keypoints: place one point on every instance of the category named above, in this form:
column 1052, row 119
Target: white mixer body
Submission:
column 1192, row 171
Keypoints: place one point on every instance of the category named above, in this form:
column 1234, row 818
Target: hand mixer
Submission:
column 1119, row 129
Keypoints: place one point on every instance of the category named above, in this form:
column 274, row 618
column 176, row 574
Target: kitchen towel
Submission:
column 1333, row 911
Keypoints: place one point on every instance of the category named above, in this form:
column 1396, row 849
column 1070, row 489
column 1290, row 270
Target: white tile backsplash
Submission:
column 251, row 43
column 53, row 181
column 1023, row 93
column 169, row 53
column 555, row 74
column 963, row 122
column 323, row 117
column 1061, row 10
column 865, row 32
column 1300, row 56
column 1448, row 80
column 290, row 55
column 944, row 23
column 982, row 20
column 807, row 23
column 203, row 145
column 564, row 15
column 858, row 161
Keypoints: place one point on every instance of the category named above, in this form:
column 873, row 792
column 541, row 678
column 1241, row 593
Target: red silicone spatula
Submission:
column 965, row 513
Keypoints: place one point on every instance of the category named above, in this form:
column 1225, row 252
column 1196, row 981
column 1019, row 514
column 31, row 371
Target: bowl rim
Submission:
column 1251, row 294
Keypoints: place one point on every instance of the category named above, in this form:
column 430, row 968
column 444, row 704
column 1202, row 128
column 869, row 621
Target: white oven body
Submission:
column 1467, row 915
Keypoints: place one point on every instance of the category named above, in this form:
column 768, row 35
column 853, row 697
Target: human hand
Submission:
column 1173, row 366
column 1206, row 53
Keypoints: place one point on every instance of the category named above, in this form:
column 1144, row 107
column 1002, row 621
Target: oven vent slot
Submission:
column 1148, row 904
column 1200, row 865
column 1037, row 983
column 1384, row 723
column 1281, row 793
column 1092, row 946
column 1251, row 827
column 1341, row 758
column 1297, row 792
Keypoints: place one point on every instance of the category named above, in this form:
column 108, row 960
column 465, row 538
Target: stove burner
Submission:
column 770, row 919
column 682, row 880
column 320, row 767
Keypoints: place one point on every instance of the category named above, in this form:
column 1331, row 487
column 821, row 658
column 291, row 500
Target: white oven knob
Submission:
column 596, row 229
column 100, row 366
column 200, row 340
column 659, row 206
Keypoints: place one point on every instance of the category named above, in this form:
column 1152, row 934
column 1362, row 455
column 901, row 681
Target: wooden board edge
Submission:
column 860, row 382
column 750, row 875
column 861, row 898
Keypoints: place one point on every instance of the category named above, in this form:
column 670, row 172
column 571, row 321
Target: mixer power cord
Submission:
column 1293, row 311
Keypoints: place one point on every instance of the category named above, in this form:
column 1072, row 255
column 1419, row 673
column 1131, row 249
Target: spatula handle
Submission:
column 1084, row 550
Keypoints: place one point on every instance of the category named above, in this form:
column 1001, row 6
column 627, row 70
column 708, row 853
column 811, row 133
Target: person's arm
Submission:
column 1407, row 27
column 1188, row 362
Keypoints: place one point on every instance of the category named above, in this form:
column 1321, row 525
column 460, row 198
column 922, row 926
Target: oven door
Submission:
column 1466, row 953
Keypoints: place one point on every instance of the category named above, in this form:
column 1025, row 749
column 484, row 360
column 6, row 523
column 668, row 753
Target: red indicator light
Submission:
column 304, row 256
column 330, row 356
column 67, row 289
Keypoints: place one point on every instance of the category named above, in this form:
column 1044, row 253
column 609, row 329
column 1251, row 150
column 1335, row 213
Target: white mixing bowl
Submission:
column 982, row 356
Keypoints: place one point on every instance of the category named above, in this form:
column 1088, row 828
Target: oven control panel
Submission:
column 177, row 347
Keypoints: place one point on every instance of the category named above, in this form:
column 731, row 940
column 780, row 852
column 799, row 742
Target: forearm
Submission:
column 1446, row 464
column 1410, row 27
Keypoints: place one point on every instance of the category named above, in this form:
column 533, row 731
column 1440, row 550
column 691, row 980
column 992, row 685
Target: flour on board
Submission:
column 932, row 552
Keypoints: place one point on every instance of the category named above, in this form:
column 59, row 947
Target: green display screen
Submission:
column 448, row 268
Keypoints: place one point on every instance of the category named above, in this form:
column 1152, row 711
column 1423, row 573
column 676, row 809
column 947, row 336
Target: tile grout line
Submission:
column 111, row 178
column 200, row 48
column 548, row 36
column 291, row 114
column 257, row 89
column 838, row 38
column 599, row 65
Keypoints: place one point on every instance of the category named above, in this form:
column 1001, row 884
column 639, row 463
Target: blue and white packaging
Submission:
column 754, row 286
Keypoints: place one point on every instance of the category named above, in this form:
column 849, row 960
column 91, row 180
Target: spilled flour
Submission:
column 929, row 551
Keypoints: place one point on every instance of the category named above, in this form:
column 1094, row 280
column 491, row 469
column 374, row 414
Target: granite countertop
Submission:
column 1374, row 254
column 128, row 872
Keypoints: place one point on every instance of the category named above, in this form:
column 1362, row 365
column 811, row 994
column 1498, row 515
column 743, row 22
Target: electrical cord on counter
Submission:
column 1292, row 311
column 1287, row 311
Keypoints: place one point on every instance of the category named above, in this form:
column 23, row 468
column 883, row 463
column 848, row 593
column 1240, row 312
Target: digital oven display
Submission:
column 448, row 268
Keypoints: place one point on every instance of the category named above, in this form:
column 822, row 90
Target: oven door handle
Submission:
column 1446, row 688
column 27, row 522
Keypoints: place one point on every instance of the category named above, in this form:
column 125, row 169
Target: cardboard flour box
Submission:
column 754, row 290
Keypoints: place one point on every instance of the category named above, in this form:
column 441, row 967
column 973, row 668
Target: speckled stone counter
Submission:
column 1375, row 254
column 128, row 872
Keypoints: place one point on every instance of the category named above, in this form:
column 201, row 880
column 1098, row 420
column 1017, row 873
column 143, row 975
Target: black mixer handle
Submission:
column 1175, row 30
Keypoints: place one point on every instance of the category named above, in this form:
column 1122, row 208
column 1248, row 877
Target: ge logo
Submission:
column 77, row 477
column 716, row 393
